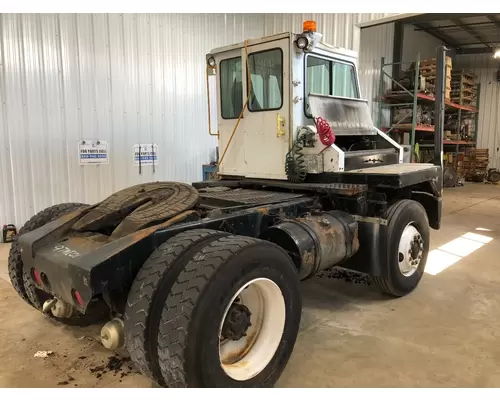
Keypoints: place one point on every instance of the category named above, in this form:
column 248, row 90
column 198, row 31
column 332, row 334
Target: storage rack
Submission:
column 413, row 97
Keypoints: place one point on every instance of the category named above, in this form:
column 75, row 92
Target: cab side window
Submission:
column 329, row 77
column 231, row 88
column 266, row 68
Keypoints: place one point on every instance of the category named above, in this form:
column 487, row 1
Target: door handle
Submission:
column 280, row 125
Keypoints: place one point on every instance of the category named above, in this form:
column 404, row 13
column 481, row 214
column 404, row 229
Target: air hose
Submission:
column 325, row 132
column 294, row 162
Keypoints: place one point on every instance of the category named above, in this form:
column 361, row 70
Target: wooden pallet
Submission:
column 465, row 72
column 475, row 163
column 432, row 73
column 464, row 82
column 464, row 98
column 464, row 77
column 459, row 90
column 433, row 61
column 432, row 79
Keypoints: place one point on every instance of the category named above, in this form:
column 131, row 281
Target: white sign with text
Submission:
column 145, row 154
column 93, row 152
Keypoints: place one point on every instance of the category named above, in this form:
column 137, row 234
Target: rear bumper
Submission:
column 81, row 262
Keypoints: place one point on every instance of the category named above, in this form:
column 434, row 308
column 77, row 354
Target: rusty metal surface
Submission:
column 138, row 207
column 395, row 169
column 249, row 196
column 346, row 189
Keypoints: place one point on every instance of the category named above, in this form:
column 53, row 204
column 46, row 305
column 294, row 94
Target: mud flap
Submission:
column 371, row 257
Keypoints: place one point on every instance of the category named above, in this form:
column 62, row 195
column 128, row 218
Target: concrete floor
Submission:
column 445, row 334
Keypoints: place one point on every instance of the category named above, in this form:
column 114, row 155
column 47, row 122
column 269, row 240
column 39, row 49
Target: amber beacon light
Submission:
column 309, row 26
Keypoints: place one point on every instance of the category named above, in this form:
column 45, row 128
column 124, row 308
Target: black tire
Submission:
column 15, row 265
column 399, row 215
column 149, row 292
column 188, row 340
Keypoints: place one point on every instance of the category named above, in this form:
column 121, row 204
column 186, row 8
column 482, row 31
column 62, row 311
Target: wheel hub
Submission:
column 237, row 322
column 254, row 344
column 411, row 250
column 414, row 249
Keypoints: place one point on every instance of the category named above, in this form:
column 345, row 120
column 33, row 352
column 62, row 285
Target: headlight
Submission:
column 211, row 62
column 302, row 42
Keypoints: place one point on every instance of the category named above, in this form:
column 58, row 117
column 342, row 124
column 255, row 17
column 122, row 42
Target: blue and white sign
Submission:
column 93, row 152
column 145, row 154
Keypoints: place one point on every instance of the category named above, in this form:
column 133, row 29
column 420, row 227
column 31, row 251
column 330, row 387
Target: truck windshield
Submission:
column 329, row 77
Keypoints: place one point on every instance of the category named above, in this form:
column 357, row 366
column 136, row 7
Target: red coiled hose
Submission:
column 325, row 132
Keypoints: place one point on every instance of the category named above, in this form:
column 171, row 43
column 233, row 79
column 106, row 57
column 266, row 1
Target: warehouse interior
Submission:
column 125, row 82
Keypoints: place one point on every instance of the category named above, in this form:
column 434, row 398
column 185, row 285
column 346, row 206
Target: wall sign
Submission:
column 145, row 154
column 93, row 152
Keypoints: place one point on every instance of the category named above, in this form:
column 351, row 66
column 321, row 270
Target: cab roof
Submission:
column 264, row 39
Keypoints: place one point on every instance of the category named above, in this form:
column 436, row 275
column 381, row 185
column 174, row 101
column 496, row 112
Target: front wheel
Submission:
column 232, row 317
column 407, row 248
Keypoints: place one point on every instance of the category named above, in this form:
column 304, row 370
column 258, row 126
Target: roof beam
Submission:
column 475, row 50
column 437, row 34
column 471, row 31
column 467, row 24
column 428, row 17
column 494, row 20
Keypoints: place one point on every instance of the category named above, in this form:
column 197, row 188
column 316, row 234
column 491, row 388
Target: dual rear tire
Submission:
column 210, row 309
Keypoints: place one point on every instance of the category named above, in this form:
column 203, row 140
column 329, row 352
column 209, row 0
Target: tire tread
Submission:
column 145, row 288
column 385, row 284
column 176, row 316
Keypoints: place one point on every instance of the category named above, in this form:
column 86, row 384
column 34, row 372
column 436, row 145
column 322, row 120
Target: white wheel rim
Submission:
column 410, row 250
column 245, row 358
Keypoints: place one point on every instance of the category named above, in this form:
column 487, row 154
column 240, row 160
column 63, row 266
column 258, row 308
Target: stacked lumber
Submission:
column 475, row 164
column 463, row 87
column 428, row 71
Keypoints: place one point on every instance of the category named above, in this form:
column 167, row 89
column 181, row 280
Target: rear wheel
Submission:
column 16, row 268
column 232, row 317
column 149, row 292
column 407, row 248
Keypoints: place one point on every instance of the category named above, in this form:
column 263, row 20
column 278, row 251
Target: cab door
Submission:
column 266, row 120
column 230, row 91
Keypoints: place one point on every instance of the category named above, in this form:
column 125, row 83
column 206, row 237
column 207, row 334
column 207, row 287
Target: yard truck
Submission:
column 200, row 282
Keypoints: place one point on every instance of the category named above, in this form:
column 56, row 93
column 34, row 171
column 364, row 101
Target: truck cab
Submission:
column 270, row 93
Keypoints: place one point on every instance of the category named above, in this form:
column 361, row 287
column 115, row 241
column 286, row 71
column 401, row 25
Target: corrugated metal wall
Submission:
column 485, row 67
column 418, row 42
column 123, row 78
column 337, row 29
column 376, row 42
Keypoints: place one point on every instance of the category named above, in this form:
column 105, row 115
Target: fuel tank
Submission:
column 316, row 242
